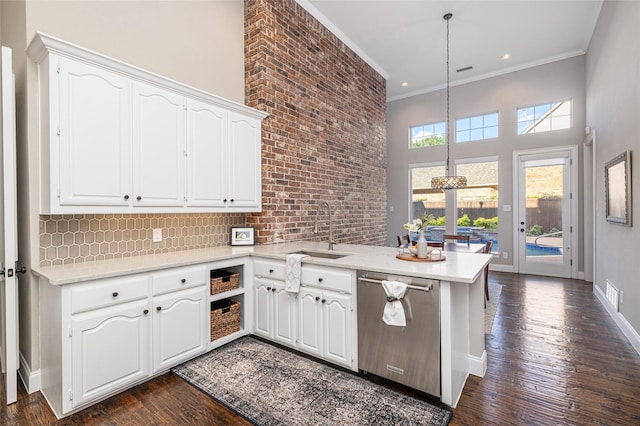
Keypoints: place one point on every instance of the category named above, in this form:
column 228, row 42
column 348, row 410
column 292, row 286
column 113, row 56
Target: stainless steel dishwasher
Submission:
column 409, row 355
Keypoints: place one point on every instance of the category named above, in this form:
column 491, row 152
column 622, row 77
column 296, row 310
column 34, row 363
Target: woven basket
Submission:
column 222, row 281
column 225, row 318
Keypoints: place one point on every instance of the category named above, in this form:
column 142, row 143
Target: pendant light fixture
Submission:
column 447, row 181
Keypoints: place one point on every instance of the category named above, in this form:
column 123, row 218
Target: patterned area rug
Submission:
column 271, row 386
column 492, row 306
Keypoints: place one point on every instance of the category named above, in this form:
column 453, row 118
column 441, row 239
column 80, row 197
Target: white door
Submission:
column 8, row 239
column 545, row 212
column 158, row 147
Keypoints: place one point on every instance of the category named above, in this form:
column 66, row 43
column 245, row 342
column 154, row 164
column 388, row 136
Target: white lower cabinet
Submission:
column 109, row 350
column 275, row 312
column 319, row 321
column 325, row 324
column 180, row 327
column 101, row 337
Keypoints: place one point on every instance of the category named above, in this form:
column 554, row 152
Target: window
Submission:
column 428, row 135
column 477, row 204
column 423, row 198
column 477, row 128
column 544, row 118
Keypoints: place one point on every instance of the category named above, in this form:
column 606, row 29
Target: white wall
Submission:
column 613, row 110
column 200, row 43
column 543, row 84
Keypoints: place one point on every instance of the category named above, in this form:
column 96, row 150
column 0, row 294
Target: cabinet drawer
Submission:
column 103, row 293
column 327, row 278
column 269, row 269
column 178, row 279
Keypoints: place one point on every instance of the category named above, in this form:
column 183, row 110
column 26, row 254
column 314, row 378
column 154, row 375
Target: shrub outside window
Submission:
column 477, row 128
column 544, row 118
column 427, row 135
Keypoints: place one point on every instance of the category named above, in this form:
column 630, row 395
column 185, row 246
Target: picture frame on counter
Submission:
column 242, row 236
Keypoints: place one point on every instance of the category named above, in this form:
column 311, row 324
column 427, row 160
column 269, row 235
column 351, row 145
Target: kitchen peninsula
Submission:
column 138, row 295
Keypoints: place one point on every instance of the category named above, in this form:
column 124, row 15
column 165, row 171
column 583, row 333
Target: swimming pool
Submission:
column 532, row 250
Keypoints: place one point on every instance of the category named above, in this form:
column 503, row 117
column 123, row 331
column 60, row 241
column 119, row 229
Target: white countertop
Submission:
column 458, row 267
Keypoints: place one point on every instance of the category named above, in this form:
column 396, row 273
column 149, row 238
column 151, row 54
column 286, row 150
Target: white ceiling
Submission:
column 405, row 40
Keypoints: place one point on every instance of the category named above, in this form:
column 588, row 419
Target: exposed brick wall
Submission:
column 325, row 137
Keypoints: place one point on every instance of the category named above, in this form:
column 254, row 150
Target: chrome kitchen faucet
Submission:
column 315, row 228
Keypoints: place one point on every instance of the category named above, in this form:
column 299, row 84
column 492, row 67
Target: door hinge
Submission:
column 58, row 192
column 58, row 68
column 70, row 332
column 58, row 131
column 70, row 395
column 571, row 195
column 571, row 229
column 570, row 262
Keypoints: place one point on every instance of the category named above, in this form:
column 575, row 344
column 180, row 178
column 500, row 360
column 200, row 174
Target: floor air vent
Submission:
column 612, row 295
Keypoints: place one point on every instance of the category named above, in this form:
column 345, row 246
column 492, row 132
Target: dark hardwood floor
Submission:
column 555, row 357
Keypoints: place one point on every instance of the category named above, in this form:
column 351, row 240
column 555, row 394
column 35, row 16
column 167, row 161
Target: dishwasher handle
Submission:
column 426, row 288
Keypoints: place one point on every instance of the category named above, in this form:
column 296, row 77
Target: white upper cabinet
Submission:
column 91, row 136
column 244, row 177
column 206, row 140
column 158, row 146
column 118, row 139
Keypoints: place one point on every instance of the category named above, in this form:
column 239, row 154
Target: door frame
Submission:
column 9, row 216
column 574, row 201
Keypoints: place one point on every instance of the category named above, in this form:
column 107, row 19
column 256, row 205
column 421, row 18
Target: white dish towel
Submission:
column 393, row 310
column 293, row 268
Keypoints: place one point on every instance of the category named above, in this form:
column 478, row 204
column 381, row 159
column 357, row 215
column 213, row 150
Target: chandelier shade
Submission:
column 447, row 181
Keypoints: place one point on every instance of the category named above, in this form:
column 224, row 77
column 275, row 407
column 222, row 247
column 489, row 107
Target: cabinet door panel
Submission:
column 158, row 147
column 244, row 185
column 206, row 135
column 179, row 327
column 310, row 321
column 263, row 306
column 94, row 136
column 285, row 309
column 109, row 351
column 337, row 328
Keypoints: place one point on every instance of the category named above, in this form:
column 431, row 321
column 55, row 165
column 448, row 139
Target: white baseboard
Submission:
column 478, row 366
column 626, row 328
column 30, row 379
column 580, row 276
column 500, row 268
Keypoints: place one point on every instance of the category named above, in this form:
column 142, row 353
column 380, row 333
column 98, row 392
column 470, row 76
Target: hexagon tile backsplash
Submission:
column 84, row 238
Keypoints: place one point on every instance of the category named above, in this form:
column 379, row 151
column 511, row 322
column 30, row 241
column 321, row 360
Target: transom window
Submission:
column 544, row 118
column 477, row 128
column 427, row 135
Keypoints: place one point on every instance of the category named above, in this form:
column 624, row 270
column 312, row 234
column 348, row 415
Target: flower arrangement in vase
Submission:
column 418, row 225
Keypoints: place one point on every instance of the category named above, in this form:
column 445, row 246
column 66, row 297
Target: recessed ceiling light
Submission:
column 506, row 56
column 405, row 84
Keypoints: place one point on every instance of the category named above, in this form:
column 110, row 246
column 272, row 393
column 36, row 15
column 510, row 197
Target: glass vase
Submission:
column 422, row 246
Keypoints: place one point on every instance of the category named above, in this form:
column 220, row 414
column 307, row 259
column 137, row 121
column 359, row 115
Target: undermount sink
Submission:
column 321, row 254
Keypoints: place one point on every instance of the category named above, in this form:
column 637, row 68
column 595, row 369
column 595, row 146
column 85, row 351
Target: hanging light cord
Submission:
column 447, row 17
